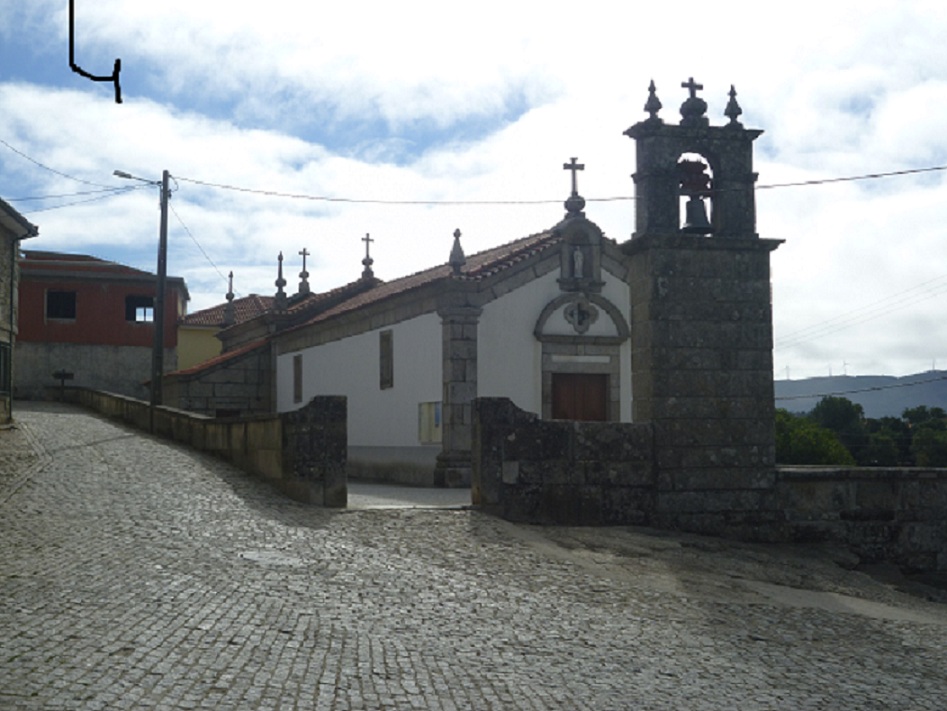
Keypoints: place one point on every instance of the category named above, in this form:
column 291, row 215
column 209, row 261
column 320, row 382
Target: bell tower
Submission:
column 668, row 168
column 702, row 335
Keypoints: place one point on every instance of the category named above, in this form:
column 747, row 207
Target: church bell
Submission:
column 696, row 222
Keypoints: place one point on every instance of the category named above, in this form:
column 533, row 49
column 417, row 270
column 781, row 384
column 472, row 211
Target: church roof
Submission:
column 245, row 308
column 478, row 266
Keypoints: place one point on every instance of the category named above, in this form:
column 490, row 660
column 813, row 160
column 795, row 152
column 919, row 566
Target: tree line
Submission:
column 836, row 431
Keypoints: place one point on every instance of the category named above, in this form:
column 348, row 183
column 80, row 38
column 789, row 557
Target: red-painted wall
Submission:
column 100, row 313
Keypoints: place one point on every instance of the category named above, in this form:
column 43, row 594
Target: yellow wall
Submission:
column 195, row 345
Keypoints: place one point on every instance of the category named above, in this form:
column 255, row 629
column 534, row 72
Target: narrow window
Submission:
column 386, row 360
column 298, row 378
column 5, row 367
column 139, row 309
column 61, row 304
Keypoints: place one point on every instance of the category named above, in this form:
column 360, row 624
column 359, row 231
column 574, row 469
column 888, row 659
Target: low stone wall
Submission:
column 894, row 515
column 583, row 473
column 303, row 453
column 575, row 473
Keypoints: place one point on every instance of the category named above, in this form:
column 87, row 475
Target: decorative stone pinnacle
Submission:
column 367, row 272
column 694, row 108
column 653, row 104
column 229, row 313
column 280, row 283
column 576, row 202
column 733, row 109
column 457, row 258
column 304, row 275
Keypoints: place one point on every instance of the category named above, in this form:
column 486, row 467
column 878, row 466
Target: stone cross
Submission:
column 692, row 86
column 367, row 240
column 304, row 253
column 574, row 166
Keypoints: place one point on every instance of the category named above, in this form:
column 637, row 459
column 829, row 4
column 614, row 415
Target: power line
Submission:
column 80, row 202
column 51, row 170
column 373, row 201
column 194, row 239
column 65, row 195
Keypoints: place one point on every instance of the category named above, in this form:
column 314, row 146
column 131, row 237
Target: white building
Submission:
column 543, row 321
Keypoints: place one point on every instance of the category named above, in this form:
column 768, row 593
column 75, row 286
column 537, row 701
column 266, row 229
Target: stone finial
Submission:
column 304, row 275
column 230, row 316
column 367, row 272
column 280, row 283
column 576, row 202
column 457, row 258
column 733, row 109
column 653, row 105
column 693, row 110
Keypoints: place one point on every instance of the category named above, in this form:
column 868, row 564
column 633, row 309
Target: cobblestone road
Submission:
column 138, row 575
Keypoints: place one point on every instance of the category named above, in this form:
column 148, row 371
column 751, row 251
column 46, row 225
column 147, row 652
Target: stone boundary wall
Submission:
column 302, row 453
column 589, row 473
column 897, row 515
column 572, row 473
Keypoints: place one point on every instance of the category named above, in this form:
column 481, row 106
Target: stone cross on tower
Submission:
column 692, row 86
column 304, row 275
column 576, row 202
column 367, row 272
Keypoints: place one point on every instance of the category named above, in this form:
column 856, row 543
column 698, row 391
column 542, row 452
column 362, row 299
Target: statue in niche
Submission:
column 578, row 263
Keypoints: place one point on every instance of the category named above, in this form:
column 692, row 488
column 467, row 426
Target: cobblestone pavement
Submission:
column 139, row 575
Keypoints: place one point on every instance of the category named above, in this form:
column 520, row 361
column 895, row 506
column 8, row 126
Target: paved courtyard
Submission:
column 139, row 575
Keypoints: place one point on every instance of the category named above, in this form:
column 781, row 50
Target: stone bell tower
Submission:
column 702, row 337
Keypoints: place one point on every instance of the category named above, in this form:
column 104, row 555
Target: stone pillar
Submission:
column 459, row 372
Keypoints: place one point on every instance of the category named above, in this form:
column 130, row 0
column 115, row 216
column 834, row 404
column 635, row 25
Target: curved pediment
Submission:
column 572, row 316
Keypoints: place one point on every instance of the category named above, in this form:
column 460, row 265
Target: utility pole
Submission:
column 157, row 358
column 157, row 351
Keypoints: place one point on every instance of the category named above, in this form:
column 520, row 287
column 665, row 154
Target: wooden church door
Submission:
column 580, row 396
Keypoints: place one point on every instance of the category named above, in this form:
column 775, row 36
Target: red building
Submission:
column 92, row 318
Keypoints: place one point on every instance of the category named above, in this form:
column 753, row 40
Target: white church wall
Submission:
column 509, row 358
column 351, row 367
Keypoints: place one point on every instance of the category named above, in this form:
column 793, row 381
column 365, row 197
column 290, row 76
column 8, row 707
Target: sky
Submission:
column 409, row 120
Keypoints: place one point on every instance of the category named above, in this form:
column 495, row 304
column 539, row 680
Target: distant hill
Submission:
column 879, row 395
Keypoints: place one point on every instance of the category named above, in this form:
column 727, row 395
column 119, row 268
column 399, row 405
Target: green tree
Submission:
column 799, row 440
column 847, row 420
column 929, row 447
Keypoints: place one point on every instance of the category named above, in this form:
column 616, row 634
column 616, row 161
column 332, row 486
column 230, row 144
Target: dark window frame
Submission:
column 386, row 359
column 139, row 309
column 61, row 305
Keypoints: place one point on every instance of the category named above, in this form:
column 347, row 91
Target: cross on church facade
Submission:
column 367, row 240
column 304, row 253
column 691, row 86
column 574, row 166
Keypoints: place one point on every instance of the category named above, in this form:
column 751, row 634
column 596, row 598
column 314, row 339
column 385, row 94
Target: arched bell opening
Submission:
column 696, row 185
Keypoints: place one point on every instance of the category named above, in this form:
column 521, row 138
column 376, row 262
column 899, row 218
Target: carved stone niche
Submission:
column 580, row 256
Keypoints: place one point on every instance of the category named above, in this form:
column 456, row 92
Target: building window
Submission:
column 429, row 422
column 386, row 360
column 61, row 304
column 298, row 378
column 139, row 309
column 6, row 365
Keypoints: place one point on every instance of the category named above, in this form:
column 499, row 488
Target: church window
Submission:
column 386, row 360
column 61, row 304
column 298, row 378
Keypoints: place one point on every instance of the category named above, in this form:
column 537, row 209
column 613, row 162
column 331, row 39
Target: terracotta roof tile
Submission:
column 222, row 358
column 245, row 309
